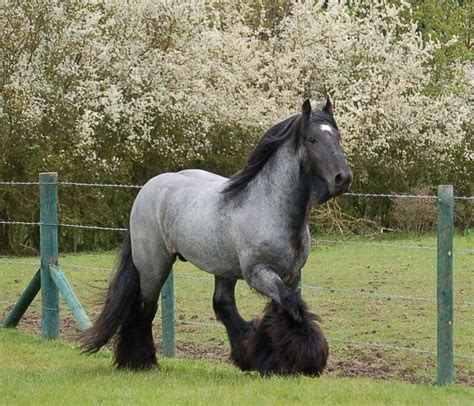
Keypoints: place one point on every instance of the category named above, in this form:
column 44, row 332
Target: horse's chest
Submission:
column 282, row 254
column 298, row 256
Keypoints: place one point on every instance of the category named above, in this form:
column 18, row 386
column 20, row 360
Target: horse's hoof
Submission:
column 279, row 345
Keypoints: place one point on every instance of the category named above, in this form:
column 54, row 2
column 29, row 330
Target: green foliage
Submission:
column 445, row 20
column 117, row 93
column 451, row 23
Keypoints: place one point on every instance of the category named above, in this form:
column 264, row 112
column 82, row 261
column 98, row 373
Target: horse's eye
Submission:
column 312, row 140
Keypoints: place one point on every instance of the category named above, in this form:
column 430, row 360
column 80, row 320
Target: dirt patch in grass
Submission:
column 345, row 361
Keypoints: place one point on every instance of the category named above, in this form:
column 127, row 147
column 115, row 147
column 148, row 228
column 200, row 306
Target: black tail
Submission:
column 125, row 316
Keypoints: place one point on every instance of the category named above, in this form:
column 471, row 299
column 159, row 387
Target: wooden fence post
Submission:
column 168, row 331
column 49, row 253
column 445, row 354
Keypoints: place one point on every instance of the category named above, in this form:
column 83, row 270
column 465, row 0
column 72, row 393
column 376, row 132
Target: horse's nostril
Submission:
column 339, row 179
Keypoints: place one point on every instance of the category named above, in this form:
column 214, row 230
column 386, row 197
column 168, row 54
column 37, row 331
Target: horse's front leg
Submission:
column 265, row 280
column 226, row 309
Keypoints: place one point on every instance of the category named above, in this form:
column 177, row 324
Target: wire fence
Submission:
column 341, row 340
column 357, row 292
column 313, row 241
column 371, row 295
column 385, row 245
column 83, row 226
column 84, row 184
column 129, row 186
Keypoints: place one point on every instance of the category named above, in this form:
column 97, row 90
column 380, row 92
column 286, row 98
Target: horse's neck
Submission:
column 283, row 187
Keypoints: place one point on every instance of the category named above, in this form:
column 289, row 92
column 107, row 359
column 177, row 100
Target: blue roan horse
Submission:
column 252, row 226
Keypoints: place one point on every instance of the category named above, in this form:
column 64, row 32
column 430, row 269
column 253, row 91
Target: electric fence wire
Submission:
column 131, row 186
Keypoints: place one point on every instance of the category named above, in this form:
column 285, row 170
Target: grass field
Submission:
column 377, row 300
column 36, row 371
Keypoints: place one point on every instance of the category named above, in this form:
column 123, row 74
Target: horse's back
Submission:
column 168, row 194
column 203, row 175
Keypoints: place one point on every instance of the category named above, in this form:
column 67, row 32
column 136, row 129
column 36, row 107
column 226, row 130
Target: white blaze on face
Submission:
column 327, row 127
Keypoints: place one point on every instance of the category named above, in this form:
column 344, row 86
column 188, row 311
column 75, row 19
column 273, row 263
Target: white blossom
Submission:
column 168, row 74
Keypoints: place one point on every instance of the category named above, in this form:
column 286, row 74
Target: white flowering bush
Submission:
column 120, row 90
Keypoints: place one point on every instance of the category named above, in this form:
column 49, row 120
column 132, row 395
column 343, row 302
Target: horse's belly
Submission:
column 209, row 254
column 201, row 237
column 216, row 267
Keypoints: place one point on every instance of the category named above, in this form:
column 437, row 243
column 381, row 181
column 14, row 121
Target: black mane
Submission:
column 265, row 148
column 268, row 144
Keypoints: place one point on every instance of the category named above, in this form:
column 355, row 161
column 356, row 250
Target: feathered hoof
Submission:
column 279, row 345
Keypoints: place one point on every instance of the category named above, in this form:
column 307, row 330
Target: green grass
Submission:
column 362, row 328
column 36, row 371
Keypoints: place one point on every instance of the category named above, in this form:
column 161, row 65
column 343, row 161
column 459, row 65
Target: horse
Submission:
column 251, row 226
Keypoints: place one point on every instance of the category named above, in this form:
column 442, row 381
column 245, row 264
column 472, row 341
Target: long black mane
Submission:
column 266, row 147
column 268, row 144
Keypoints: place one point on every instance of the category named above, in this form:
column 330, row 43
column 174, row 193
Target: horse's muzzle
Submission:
column 341, row 182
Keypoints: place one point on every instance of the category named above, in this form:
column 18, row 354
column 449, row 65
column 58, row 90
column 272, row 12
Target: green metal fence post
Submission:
column 49, row 253
column 23, row 302
column 70, row 297
column 445, row 358
column 168, row 331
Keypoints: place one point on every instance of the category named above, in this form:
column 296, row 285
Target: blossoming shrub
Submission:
column 118, row 91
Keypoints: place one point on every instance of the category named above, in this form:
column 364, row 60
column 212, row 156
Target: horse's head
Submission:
column 322, row 154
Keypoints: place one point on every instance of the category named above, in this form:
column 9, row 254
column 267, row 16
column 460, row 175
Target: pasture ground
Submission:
column 377, row 300
column 36, row 371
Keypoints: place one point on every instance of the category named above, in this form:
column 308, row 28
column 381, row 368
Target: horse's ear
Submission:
column 328, row 108
column 306, row 111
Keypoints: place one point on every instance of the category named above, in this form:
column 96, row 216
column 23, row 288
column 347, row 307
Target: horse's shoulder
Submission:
column 274, row 246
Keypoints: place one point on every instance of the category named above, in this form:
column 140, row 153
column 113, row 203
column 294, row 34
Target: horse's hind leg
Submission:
column 226, row 309
column 135, row 347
